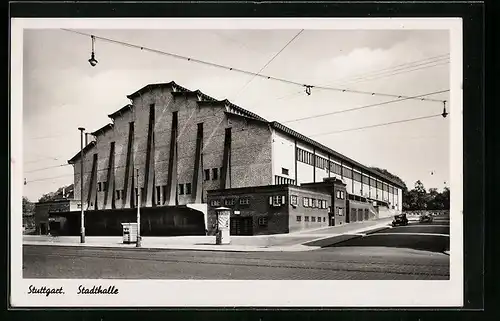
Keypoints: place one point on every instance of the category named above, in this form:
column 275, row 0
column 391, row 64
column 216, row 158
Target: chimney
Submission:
column 64, row 192
column 86, row 139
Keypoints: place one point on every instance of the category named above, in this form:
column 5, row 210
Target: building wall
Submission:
column 87, row 170
column 121, row 136
column 103, row 143
column 251, row 153
column 258, row 206
column 321, row 169
column 302, row 212
column 305, row 172
column 250, row 160
column 257, row 154
column 357, row 184
column 43, row 209
column 283, row 156
column 339, row 208
column 361, row 211
column 159, row 221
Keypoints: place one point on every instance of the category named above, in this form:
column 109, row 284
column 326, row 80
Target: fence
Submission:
column 432, row 212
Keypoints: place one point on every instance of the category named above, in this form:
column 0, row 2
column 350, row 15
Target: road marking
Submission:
column 420, row 234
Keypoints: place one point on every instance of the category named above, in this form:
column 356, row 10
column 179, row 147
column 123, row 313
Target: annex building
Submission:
column 189, row 153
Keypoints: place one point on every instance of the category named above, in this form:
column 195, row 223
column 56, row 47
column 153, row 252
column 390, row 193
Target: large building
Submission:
column 176, row 145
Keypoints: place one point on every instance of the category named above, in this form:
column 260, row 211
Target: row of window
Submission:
column 102, row 186
column 230, row 201
column 215, row 174
column 278, row 180
column 313, row 219
column 184, row 189
column 340, row 195
column 320, row 162
column 314, row 203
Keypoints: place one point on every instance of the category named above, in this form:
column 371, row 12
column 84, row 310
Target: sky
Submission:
column 62, row 92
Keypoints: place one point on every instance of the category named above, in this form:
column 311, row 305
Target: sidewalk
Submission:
column 293, row 242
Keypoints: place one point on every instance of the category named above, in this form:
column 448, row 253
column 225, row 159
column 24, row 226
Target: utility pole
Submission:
column 82, row 218
column 138, row 243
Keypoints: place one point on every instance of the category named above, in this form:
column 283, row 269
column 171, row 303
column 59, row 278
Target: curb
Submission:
column 294, row 248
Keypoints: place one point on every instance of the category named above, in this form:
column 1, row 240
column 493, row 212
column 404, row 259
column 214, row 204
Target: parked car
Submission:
column 400, row 220
column 425, row 218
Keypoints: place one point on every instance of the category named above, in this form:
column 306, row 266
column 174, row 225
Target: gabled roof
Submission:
column 103, row 129
column 230, row 113
column 237, row 110
column 150, row 87
column 120, row 111
column 86, row 149
column 205, row 98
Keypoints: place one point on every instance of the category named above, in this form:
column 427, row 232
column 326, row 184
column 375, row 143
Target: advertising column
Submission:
column 223, row 235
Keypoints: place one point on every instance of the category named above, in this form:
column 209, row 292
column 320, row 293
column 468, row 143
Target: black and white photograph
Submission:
column 237, row 162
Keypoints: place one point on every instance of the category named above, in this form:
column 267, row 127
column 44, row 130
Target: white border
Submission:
column 176, row 293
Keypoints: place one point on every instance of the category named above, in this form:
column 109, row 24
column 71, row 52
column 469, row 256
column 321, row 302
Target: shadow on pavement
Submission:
column 435, row 243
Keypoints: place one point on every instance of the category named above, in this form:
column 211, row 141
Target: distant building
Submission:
column 189, row 146
column 46, row 214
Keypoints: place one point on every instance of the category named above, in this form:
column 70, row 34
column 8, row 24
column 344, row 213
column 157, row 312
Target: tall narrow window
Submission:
column 158, row 195
column 164, row 188
column 207, row 174
column 181, row 189
column 215, row 174
column 188, row 188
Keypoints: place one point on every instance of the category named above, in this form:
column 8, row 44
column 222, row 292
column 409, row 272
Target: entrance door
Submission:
column 360, row 214
column 354, row 214
column 241, row 226
column 332, row 220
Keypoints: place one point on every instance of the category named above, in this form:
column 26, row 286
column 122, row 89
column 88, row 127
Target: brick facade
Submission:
column 174, row 146
column 271, row 209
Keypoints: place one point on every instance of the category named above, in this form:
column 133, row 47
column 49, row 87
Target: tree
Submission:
column 390, row 175
column 419, row 199
column 28, row 207
column 57, row 195
column 419, row 187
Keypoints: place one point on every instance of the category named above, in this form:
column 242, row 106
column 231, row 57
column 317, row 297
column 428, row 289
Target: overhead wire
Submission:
column 42, row 169
column 399, row 73
column 269, row 62
column 377, row 125
column 365, row 106
column 400, row 97
column 314, row 135
column 408, row 65
column 195, row 60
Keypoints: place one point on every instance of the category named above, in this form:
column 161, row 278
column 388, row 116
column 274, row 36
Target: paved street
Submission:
column 433, row 236
column 333, row 264
column 400, row 253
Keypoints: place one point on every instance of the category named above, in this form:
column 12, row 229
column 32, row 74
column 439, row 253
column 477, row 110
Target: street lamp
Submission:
column 445, row 113
column 92, row 59
column 138, row 242
column 82, row 218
